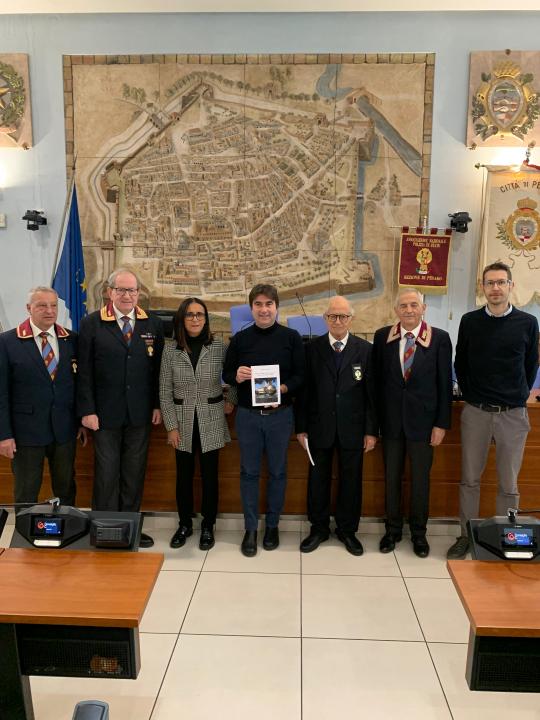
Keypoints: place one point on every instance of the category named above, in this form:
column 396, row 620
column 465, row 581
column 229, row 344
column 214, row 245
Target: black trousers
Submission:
column 420, row 458
column 120, row 467
column 27, row 466
column 185, row 469
column 349, row 492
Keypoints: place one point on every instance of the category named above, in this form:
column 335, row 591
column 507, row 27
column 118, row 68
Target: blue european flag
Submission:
column 69, row 279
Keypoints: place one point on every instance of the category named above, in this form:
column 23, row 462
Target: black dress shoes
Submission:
column 180, row 536
column 249, row 543
column 313, row 540
column 271, row 538
column 420, row 547
column 146, row 541
column 351, row 542
column 207, row 540
column 388, row 542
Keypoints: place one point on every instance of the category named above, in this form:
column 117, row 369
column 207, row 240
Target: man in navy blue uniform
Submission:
column 412, row 362
column 120, row 349
column 38, row 366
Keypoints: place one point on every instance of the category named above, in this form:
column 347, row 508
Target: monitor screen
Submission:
column 518, row 537
column 47, row 526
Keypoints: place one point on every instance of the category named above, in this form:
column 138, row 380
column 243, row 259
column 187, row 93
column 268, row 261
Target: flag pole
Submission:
column 67, row 205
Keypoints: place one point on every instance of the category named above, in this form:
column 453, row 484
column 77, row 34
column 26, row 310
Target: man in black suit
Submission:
column 335, row 414
column 38, row 366
column 413, row 373
column 120, row 349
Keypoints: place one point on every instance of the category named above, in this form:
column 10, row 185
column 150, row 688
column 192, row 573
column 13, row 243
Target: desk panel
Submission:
column 159, row 491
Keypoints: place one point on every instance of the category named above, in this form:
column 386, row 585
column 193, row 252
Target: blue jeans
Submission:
column 258, row 434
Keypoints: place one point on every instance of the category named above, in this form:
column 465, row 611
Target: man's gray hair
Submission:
column 111, row 281
column 342, row 297
column 40, row 288
column 404, row 291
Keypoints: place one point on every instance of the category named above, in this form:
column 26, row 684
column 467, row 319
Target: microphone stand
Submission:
column 304, row 313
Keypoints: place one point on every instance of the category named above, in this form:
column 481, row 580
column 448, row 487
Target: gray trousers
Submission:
column 509, row 431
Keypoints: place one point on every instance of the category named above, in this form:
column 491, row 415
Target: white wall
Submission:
column 36, row 179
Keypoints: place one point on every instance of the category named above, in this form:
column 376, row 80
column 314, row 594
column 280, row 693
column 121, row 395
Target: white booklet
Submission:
column 265, row 385
column 309, row 453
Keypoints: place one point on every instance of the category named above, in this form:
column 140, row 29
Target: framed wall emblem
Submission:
column 15, row 110
column 504, row 104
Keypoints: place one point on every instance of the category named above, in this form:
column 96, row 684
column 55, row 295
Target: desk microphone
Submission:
column 304, row 313
column 54, row 502
column 514, row 512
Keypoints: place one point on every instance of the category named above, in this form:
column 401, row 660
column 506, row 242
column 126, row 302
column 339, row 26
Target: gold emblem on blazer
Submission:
column 357, row 372
column 149, row 340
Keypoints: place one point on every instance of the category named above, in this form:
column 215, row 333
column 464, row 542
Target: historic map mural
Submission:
column 211, row 173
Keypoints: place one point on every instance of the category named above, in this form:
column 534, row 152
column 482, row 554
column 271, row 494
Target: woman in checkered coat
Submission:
column 193, row 409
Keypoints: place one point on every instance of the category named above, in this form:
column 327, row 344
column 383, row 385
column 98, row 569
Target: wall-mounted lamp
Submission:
column 34, row 218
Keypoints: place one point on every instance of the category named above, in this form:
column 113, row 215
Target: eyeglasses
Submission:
column 126, row 291
column 497, row 283
column 335, row 318
column 195, row 316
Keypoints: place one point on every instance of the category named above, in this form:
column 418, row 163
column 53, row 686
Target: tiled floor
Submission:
column 291, row 636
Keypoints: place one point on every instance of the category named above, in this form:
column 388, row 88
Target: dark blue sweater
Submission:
column 497, row 357
column 276, row 345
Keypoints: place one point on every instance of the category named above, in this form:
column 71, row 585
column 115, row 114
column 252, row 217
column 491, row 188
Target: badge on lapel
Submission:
column 74, row 365
column 357, row 372
column 149, row 342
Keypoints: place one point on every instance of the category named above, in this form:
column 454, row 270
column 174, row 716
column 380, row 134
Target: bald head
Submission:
column 338, row 316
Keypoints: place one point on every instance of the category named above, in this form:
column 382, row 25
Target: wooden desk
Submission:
column 96, row 598
column 159, row 487
column 501, row 600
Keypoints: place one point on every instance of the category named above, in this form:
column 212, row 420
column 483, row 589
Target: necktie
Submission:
column 47, row 354
column 338, row 345
column 127, row 332
column 408, row 354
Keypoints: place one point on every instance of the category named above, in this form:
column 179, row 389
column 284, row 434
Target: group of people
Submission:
column 338, row 392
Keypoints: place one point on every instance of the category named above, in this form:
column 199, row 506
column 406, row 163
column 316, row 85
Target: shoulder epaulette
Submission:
column 425, row 334
column 107, row 313
column 24, row 330
column 394, row 333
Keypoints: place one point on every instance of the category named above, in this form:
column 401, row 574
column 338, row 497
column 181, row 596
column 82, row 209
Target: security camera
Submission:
column 34, row 218
column 460, row 221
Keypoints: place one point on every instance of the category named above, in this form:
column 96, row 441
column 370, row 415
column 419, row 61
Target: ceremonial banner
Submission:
column 511, row 230
column 423, row 260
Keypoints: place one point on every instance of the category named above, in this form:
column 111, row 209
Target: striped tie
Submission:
column 47, row 354
column 408, row 355
column 338, row 345
column 127, row 332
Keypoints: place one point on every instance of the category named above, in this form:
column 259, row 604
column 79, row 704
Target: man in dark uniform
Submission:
column 335, row 413
column 38, row 366
column 120, row 349
column 412, row 363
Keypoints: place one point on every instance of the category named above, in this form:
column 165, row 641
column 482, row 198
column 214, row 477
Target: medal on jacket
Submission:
column 357, row 372
column 149, row 342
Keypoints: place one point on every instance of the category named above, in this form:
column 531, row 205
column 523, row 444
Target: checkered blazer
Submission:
column 191, row 390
